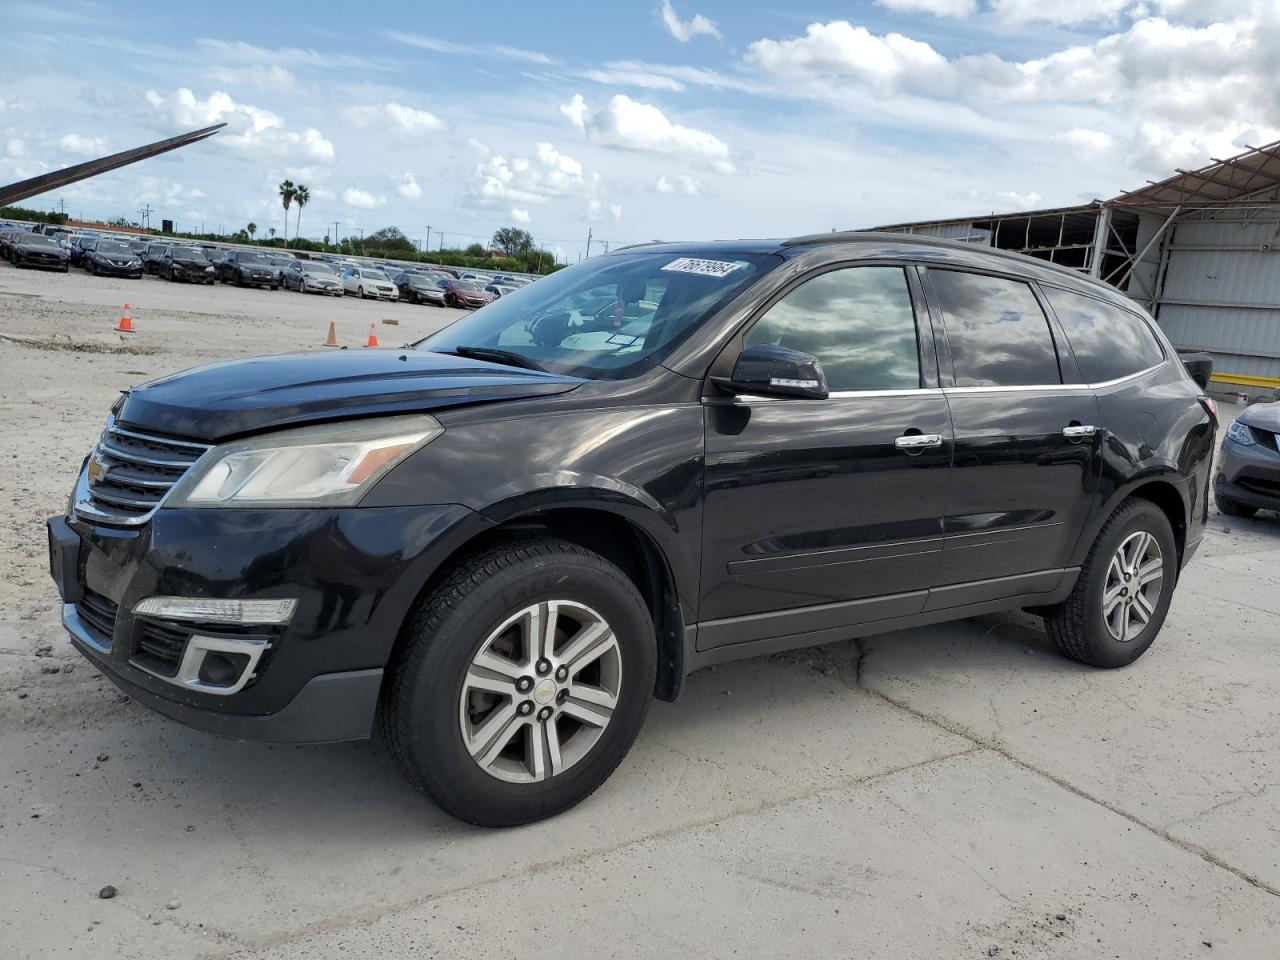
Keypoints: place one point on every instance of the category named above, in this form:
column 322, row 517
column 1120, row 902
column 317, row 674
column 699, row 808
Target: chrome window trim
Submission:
column 935, row 391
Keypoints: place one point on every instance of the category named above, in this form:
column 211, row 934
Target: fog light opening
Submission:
column 222, row 669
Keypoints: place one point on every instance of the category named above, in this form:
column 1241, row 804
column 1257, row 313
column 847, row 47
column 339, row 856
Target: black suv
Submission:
column 498, row 544
column 248, row 267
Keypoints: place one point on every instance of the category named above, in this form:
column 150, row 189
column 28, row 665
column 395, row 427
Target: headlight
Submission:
column 1241, row 434
column 330, row 465
column 135, row 262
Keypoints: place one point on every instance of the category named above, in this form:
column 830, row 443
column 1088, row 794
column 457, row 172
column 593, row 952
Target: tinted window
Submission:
column 1108, row 342
column 858, row 322
column 998, row 334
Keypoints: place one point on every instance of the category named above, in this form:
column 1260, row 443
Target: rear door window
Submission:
column 1108, row 341
column 997, row 333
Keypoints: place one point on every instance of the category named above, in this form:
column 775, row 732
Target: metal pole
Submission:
column 427, row 245
column 1101, row 226
column 1143, row 252
column 588, row 243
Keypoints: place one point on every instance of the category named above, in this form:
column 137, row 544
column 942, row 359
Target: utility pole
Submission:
column 606, row 246
column 145, row 216
column 442, row 241
column 427, row 246
column 335, row 232
column 588, row 243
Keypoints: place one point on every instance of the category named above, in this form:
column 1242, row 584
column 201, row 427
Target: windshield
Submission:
column 182, row 253
column 252, row 258
column 468, row 285
column 613, row 317
column 322, row 269
column 374, row 275
column 281, row 261
column 36, row 240
column 112, row 248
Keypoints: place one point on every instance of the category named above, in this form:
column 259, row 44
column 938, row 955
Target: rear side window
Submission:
column 998, row 335
column 857, row 321
column 1109, row 342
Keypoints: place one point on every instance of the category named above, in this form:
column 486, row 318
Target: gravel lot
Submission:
column 954, row 791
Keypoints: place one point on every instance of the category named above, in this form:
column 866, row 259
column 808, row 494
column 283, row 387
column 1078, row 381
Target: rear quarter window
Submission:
column 1109, row 342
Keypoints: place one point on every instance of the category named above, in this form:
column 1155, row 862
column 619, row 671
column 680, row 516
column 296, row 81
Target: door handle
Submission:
column 917, row 441
column 1078, row 430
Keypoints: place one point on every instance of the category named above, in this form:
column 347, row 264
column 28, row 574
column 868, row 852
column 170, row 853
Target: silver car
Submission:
column 312, row 277
column 1248, row 475
column 369, row 282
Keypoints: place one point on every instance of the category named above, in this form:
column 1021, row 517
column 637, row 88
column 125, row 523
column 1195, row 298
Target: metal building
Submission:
column 1200, row 250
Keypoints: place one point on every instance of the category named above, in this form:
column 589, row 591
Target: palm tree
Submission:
column 303, row 196
column 287, row 191
column 252, row 228
column 272, row 231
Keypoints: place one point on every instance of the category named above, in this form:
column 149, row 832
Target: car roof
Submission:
column 868, row 245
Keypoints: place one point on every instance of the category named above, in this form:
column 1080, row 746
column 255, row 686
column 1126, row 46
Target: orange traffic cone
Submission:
column 126, row 322
column 332, row 339
column 373, row 336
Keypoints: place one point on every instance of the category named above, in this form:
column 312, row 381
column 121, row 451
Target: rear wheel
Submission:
column 522, row 682
column 1233, row 508
column 1123, row 592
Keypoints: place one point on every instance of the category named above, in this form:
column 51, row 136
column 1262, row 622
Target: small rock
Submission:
column 992, row 951
column 44, row 650
column 67, row 668
column 103, row 758
column 50, row 668
column 107, row 892
column 1059, row 916
column 22, row 694
column 1207, row 944
column 137, row 785
column 172, row 905
column 191, row 828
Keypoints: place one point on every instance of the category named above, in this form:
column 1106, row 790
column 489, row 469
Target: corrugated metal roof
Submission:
column 1254, row 174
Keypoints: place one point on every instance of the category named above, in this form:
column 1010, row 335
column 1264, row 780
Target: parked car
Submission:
column 312, row 277
column 139, row 247
column 37, row 250
column 80, row 248
column 1248, row 474
column 153, row 256
column 112, row 258
column 369, row 282
column 247, row 268
column 498, row 545
column 187, row 265
column 280, row 263
column 499, row 289
column 416, row 286
column 464, row 293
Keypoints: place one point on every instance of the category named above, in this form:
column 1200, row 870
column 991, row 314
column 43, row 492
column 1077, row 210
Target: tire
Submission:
column 302, row 286
column 1078, row 625
column 1234, row 508
column 360, row 292
column 423, row 710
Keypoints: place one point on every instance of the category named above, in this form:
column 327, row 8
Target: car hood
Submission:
column 239, row 397
column 1264, row 415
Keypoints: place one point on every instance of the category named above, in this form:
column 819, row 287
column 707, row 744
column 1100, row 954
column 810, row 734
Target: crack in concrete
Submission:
column 1208, row 856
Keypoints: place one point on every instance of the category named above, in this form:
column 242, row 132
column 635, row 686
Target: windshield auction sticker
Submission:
column 707, row 268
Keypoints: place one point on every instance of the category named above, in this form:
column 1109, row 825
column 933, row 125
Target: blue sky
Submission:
column 636, row 120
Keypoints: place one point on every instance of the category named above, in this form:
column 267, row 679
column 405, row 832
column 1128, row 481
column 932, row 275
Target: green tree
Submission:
column 302, row 196
column 388, row 238
column 287, row 191
column 512, row 241
column 476, row 250
column 272, row 231
column 252, row 228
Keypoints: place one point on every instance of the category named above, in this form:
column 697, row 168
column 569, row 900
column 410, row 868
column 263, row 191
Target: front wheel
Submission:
column 1123, row 592
column 1234, row 508
column 521, row 683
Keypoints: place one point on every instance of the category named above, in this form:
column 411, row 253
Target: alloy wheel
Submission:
column 1131, row 593
column 540, row 691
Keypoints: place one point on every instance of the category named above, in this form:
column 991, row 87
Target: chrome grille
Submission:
column 131, row 473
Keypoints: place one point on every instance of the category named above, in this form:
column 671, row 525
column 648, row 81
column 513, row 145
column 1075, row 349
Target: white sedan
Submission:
column 369, row 282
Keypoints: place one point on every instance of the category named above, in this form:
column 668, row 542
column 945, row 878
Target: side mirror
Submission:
column 774, row 371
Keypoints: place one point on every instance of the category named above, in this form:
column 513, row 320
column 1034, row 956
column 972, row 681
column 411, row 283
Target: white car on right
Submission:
column 369, row 282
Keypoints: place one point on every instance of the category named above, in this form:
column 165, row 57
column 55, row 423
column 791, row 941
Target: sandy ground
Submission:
column 956, row 791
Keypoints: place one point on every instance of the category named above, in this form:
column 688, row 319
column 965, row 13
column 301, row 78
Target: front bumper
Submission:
column 1249, row 475
column 43, row 261
column 194, row 275
column 108, row 269
column 355, row 573
column 327, row 290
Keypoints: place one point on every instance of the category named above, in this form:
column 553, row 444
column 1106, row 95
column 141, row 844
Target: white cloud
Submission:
column 632, row 125
column 634, row 78
column 408, row 121
column 493, row 50
column 939, row 8
column 14, row 147
column 839, row 49
column 408, row 187
column 520, row 215
column 681, row 183
column 1090, row 144
column 249, row 128
column 546, row 175
column 1076, row 11
column 615, row 211
column 84, row 146
column 362, row 199
column 686, row 30
column 265, row 76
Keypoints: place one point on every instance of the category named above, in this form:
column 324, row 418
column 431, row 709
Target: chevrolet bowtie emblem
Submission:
column 97, row 470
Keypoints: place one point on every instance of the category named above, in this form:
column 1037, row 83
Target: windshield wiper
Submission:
column 509, row 357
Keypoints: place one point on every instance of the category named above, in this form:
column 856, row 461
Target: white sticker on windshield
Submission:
column 707, row 268
column 623, row 340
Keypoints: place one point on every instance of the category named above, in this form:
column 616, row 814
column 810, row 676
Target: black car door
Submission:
column 823, row 513
column 1027, row 438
